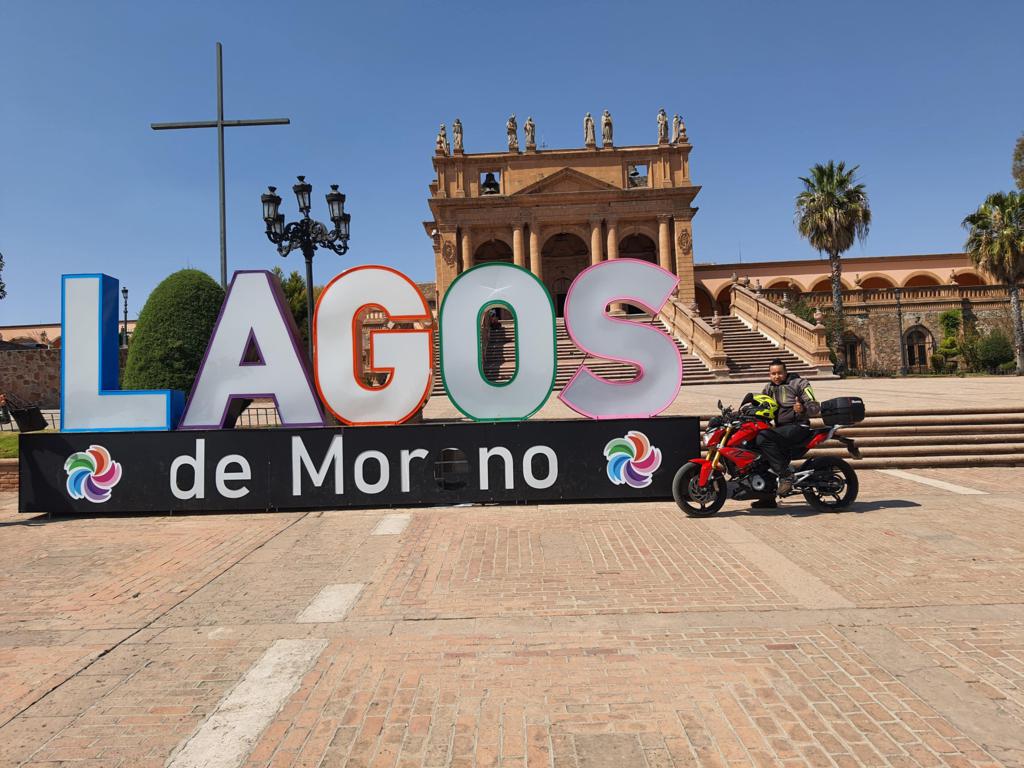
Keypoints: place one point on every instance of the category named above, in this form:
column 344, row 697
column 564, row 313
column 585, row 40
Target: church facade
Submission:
column 557, row 211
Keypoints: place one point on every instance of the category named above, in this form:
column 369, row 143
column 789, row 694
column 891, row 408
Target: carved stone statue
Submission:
column 588, row 131
column 662, row 127
column 441, row 145
column 682, row 132
column 675, row 128
column 530, row 129
column 457, row 134
column 606, row 128
column 513, row 136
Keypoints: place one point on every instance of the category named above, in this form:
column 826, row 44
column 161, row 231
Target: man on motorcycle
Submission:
column 796, row 406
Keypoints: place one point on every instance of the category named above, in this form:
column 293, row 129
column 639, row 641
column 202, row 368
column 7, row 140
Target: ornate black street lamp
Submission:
column 124, row 295
column 307, row 234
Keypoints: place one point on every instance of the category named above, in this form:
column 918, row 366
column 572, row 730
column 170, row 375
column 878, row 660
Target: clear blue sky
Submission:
column 925, row 96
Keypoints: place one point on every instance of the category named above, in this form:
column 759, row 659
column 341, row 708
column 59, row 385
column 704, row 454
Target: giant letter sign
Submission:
column 402, row 353
column 598, row 334
column 253, row 317
column 462, row 310
column 89, row 394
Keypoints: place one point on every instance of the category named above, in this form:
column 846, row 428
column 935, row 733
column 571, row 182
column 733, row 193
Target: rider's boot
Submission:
column 785, row 481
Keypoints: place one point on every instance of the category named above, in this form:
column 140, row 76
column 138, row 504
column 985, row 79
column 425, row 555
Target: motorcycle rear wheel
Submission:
column 694, row 500
column 841, row 479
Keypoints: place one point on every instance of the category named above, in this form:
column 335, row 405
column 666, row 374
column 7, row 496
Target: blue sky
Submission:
column 924, row 96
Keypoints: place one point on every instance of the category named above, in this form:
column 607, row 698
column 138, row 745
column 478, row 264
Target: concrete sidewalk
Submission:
column 573, row 635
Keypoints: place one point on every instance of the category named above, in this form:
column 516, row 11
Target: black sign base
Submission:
column 531, row 462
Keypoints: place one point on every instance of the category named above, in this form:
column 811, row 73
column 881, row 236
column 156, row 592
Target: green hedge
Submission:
column 172, row 333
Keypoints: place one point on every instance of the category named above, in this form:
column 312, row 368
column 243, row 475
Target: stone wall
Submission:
column 33, row 375
column 878, row 329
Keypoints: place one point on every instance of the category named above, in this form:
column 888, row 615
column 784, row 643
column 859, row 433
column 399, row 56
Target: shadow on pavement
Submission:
column 805, row 510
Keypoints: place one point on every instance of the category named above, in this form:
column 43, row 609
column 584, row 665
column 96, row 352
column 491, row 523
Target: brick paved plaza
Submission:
column 589, row 635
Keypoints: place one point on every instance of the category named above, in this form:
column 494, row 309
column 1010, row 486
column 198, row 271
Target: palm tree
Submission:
column 831, row 211
column 995, row 242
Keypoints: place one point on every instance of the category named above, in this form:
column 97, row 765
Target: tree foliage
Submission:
column 294, row 288
column 995, row 241
column 1018, row 163
column 831, row 212
column 173, row 331
column 3, row 287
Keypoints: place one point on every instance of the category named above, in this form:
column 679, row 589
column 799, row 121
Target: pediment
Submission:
column 567, row 180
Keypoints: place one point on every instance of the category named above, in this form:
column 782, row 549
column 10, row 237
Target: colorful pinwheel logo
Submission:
column 91, row 474
column 632, row 460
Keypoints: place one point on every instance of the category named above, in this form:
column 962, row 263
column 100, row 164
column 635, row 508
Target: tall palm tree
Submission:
column 995, row 241
column 831, row 212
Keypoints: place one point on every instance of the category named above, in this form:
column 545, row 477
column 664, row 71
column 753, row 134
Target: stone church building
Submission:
column 557, row 211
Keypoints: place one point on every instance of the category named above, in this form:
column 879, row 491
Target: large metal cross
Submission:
column 220, row 124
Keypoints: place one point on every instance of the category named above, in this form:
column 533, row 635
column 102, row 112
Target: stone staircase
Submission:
column 749, row 352
column 499, row 358
column 977, row 437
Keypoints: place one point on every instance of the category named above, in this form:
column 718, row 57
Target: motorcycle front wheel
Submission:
column 834, row 484
column 694, row 500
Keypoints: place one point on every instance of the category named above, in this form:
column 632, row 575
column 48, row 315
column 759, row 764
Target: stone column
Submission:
column 467, row 250
column 613, row 238
column 613, row 252
column 596, row 251
column 684, row 259
column 518, row 256
column 665, row 244
column 535, row 265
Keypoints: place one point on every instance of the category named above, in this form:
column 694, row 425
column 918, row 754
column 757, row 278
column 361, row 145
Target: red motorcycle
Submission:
column 735, row 468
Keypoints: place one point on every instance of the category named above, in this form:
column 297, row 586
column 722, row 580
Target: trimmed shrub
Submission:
column 1010, row 366
column 938, row 362
column 950, row 320
column 994, row 349
column 172, row 333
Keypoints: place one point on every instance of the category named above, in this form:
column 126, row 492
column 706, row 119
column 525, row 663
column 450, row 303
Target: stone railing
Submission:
column 701, row 339
column 930, row 294
column 792, row 333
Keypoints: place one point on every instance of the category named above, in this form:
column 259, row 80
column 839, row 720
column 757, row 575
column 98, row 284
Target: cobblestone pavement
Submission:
column 576, row 635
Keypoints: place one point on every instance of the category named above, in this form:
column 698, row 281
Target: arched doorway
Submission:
column 968, row 278
column 638, row 246
column 493, row 250
column 918, row 343
column 563, row 256
column 724, row 300
column 853, row 349
column 824, row 284
column 877, row 283
column 921, row 281
column 705, row 304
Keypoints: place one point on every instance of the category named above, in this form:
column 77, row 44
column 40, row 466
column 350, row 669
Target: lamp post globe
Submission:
column 307, row 234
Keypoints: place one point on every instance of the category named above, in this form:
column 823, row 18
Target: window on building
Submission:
column 636, row 175
column 490, row 182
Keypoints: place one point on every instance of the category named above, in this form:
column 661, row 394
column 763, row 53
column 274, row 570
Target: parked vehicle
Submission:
column 735, row 468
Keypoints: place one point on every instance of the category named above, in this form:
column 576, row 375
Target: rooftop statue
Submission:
column 513, row 136
column 662, row 127
column 457, row 134
column 588, row 131
column 441, row 145
column 530, row 130
column 606, row 128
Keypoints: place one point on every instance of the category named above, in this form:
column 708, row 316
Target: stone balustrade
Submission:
column 930, row 294
column 700, row 338
column 792, row 333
